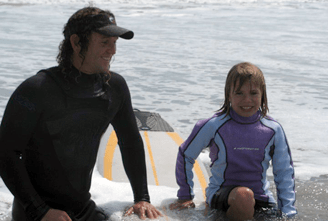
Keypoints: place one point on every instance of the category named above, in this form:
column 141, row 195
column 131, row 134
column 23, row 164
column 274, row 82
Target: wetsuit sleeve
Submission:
column 19, row 120
column 283, row 171
column 131, row 145
column 200, row 138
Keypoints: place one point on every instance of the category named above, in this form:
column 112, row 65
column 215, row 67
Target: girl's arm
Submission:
column 283, row 171
column 200, row 138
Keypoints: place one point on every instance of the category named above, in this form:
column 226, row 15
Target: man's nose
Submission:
column 112, row 49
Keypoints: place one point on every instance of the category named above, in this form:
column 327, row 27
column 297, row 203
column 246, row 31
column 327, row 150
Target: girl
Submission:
column 242, row 140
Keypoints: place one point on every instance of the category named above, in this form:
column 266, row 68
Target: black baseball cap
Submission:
column 109, row 27
column 94, row 19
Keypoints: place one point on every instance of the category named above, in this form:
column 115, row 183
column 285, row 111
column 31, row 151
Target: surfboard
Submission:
column 161, row 145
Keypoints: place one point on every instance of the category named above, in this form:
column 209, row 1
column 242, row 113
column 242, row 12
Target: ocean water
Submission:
column 177, row 63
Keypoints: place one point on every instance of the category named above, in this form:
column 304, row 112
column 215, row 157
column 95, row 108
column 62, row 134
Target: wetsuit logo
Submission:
column 25, row 102
column 246, row 148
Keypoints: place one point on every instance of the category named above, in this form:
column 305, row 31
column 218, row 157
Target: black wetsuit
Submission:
column 50, row 135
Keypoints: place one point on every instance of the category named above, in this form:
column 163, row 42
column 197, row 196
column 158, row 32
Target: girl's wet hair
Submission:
column 241, row 73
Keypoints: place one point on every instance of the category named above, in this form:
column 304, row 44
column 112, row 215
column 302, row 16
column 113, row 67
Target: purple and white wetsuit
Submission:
column 241, row 149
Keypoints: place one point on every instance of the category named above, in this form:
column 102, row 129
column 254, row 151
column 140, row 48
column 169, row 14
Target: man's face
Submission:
column 99, row 54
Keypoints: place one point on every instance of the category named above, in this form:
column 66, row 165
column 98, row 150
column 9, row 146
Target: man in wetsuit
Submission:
column 53, row 123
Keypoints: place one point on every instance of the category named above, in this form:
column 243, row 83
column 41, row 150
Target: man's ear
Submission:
column 74, row 39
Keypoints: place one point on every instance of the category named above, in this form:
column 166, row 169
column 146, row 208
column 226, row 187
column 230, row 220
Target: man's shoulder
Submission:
column 115, row 77
column 117, row 81
column 51, row 70
column 39, row 80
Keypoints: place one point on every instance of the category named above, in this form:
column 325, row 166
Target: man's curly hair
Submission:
column 81, row 24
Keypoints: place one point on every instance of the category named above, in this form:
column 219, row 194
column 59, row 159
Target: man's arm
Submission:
column 130, row 142
column 19, row 120
column 133, row 155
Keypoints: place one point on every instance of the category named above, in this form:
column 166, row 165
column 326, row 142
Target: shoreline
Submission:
column 311, row 199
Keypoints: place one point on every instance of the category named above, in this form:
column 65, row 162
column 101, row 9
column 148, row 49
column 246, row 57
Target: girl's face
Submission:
column 247, row 100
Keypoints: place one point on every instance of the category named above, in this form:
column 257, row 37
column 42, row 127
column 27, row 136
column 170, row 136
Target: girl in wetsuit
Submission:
column 242, row 141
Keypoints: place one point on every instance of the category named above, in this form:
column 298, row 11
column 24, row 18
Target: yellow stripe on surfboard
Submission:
column 109, row 155
column 178, row 140
column 151, row 158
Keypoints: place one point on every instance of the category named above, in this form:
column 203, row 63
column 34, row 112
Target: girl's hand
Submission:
column 182, row 204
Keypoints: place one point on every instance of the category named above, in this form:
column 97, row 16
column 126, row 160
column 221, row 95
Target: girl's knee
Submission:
column 241, row 204
column 242, row 197
column 242, row 194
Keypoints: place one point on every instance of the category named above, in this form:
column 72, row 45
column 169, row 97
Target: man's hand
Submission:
column 144, row 210
column 182, row 204
column 56, row 215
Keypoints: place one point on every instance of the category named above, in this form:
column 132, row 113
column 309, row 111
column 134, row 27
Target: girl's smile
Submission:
column 245, row 100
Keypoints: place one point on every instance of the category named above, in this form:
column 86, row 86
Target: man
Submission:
column 54, row 120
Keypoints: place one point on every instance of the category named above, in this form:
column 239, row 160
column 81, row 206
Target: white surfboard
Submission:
column 161, row 145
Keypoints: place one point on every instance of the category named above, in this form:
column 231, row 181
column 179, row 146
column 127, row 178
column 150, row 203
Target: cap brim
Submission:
column 115, row 31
